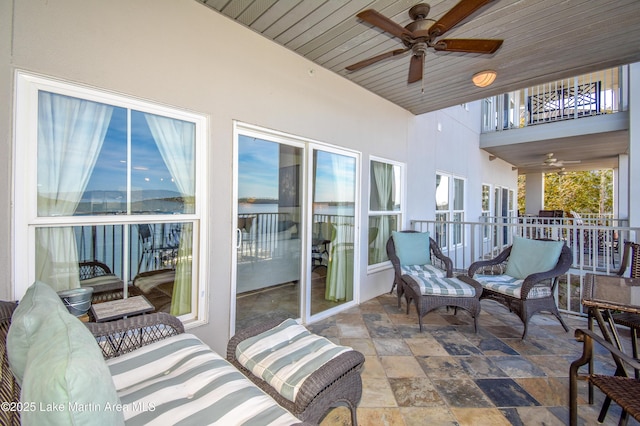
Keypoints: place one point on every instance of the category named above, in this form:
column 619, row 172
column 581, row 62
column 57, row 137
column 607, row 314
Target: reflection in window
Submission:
column 96, row 160
column 385, row 207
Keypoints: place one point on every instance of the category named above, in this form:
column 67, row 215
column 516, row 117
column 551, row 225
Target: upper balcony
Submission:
column 583, row 119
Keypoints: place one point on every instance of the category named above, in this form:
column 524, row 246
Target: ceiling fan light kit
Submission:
column 422, row 33
column 484, row 78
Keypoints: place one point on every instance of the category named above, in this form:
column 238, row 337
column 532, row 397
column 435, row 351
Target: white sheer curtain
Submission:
column 70, row 135
column 176, row 143
column 339, row 284
column 383, row 178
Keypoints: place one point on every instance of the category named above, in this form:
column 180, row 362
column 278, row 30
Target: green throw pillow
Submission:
column 530, row 256
column 66, row 377
column 36, row 305
column 412, row 248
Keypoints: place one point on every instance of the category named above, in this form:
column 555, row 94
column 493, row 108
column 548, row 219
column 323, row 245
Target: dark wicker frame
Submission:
column 428, row 303
column 336, row 383
column 437, row 258
column 116, row 338
column 9, row 388
column 93, row 268
column 625, row 391
column 524, row 307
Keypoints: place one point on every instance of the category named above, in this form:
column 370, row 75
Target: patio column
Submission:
column 534, row 196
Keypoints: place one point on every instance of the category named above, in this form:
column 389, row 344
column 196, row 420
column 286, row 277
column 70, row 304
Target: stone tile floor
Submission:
column 449, row 375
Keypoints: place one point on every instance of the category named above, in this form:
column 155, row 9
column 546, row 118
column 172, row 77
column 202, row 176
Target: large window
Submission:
column 449, row 208
column 385, row 206
column 107, row 195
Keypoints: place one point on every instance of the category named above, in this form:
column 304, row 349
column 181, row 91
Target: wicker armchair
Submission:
column 625, row 391
column 527, row 305
column 631, row 255
column 437, row 258
column 337, row 382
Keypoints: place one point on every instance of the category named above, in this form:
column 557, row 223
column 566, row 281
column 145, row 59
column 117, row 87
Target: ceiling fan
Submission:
column 423, row 33
column 551, row 161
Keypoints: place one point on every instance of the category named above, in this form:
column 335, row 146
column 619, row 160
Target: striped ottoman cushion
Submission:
column 286, row 355
column 427, row 270
column 434, row 286
column 180, row 380
column 510, row 286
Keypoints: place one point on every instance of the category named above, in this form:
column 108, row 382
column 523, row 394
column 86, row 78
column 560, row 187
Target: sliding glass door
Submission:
column 333, row 224
column 269, row 248
column 296, row 227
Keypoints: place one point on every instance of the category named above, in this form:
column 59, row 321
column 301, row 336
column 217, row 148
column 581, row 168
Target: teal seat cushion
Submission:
column 530, row 256
column 412, row 248
column 37, row 303
column 452, row 287
column 286, row 355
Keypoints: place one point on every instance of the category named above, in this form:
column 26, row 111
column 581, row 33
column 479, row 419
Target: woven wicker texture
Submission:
column 524, row 306
column 337, row 382
column 119, row 337
column 9, row 389
column 623, row 390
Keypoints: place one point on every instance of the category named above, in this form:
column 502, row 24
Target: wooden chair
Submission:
column 625, row 391
column 631, row 254
column 533, row 295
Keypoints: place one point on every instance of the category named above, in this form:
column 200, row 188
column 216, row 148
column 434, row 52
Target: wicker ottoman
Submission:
column 431, row 293
column 333, row 382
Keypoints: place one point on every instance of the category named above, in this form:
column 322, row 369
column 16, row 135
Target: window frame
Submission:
column 25, row 216
column 449, row 241
column 399, row 214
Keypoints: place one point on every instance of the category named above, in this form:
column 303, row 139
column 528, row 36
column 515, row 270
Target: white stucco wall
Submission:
column 182, row 54
column 185, row 55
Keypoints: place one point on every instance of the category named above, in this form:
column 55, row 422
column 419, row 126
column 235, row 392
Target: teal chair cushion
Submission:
column 412, row 248
column 530, row 256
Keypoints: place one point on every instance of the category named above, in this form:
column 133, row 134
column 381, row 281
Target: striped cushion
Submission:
column 434, row 286
column 286, row 355
column 510, row 286
column 427, row 270
column 180, row 380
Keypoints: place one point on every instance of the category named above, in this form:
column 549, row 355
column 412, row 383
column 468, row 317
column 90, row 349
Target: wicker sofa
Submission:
column 140, row 370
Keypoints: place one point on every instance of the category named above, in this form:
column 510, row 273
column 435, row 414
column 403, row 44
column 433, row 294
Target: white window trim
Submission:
column 27, row 86
column 451, row 211
column 401, row 213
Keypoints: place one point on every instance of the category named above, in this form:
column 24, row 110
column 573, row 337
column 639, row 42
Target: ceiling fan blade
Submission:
column 415, row 68
column 379, row 20
column 374, row 59
column 468, row 45
column 455, row 15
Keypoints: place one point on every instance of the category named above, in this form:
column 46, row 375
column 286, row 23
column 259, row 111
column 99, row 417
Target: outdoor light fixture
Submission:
column 484, row 78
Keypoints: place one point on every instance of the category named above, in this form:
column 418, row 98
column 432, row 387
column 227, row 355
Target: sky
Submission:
column 258, row 163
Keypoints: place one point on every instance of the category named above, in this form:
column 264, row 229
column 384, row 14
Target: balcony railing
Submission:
column 597, row 93
column 596, row 246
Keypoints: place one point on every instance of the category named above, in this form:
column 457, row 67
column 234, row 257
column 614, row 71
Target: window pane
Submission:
column 458, row 194
column 71, row 133
column 162, row 165
column 385, row 187
column 442, row 192
column 485, row 198
column 380, row 228
column 83, row 159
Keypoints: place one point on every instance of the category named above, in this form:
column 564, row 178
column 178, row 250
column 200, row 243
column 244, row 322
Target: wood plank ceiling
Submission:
column 544, row 40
